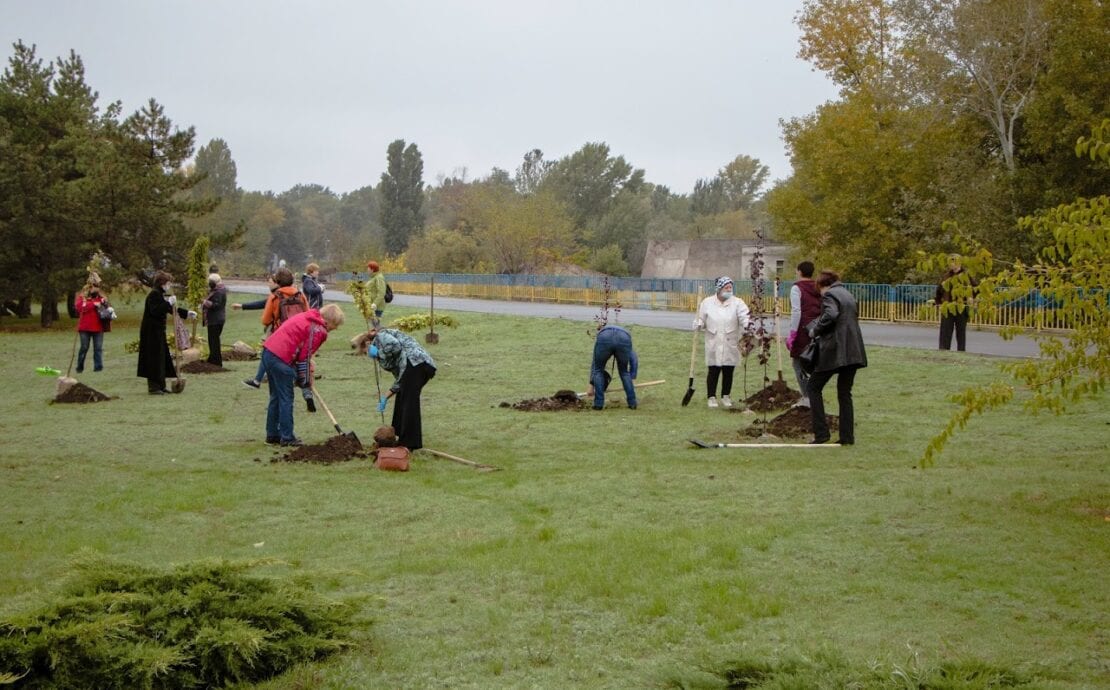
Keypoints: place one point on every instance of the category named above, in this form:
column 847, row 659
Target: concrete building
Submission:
column 705, row 259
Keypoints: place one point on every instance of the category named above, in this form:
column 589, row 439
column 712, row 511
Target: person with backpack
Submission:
column 379, row 290
column 284, row 302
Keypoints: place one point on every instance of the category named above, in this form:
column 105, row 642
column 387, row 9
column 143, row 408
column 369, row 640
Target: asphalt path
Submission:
column 984, row 342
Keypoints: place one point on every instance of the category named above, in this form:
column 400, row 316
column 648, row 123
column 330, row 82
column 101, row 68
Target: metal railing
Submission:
column 876, row 302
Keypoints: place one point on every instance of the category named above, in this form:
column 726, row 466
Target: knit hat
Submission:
column 721, row 282
column 373, row 266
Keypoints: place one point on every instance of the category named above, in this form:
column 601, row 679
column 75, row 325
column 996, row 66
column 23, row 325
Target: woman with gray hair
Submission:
column 214, row 310
column 723, row 316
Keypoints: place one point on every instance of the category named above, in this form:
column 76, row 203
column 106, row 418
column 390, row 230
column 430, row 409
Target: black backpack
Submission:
column 388, row 294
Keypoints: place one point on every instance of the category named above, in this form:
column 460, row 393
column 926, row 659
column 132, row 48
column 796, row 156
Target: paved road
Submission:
column 984, row 342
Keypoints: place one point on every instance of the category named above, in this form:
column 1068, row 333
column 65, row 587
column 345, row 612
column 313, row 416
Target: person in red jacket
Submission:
column 285, row 356
column 89, row 327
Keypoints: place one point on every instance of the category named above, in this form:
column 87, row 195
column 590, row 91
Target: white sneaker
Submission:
column 712, row 401
column 802, row 402
column 726, row 401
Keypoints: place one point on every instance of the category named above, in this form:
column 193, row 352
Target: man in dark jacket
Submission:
column 155, row 362
column 215, row 314
column 840, row 352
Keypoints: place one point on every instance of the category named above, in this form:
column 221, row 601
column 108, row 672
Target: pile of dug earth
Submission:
column 795, row 423
column 202, row 367
column 80, row 393
column 341, row 448
column 562, row 400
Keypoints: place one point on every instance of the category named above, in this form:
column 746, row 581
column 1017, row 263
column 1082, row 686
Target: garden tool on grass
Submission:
column 378, row 383
column 350, row 434
column 693, row 354
column 645, row 384
column 462, row 461
column 703, row 444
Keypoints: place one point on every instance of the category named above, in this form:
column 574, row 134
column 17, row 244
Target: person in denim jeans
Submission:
column 614, row 341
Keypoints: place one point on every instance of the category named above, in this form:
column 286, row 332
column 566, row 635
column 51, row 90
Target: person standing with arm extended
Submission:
column 614, row 341
column 285, row 357
column 805, row 306
column 311, row 286
column 214, row 311
column 155, row 362
column 89, row 327
column 412, row 367
column 723, row 317
column 376, row 290
column 840, row 352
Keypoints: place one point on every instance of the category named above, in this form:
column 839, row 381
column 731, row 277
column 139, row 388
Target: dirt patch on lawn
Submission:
column 795, row 423
column 202, row 367
column 774, row 397
column 80, row 393
column 236, row 356
column 562, row 400
column 336, row 449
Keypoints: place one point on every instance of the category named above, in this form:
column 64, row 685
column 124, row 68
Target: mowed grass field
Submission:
column 607, row 553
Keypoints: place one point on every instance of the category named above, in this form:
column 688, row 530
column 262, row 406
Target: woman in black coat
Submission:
column 840, row 352
column 155, row 362
column 215, row 314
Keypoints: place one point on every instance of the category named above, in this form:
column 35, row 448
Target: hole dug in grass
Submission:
column 197, row 625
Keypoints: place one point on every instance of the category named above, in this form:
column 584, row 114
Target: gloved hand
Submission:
column 790, row 339
column 381, row 404
column 192, row 314
column 373, row 352
column 172, row 299
column 112, row 311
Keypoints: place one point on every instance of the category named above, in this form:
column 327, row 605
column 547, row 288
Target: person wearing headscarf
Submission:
column 214, row 314
column 723, row 316
column 840, row 352
column 412, row 367
column 155, row 362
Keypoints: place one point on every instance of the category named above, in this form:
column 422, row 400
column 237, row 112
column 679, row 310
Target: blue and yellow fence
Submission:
column 877, row 302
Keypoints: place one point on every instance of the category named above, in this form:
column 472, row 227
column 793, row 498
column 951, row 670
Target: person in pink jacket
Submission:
column 89, row 326
column 285, row 357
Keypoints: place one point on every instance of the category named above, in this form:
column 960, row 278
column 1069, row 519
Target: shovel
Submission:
column 693, row 353
column 462, row 461
column 703, row 444
column 350, row 434
column 582, row 396
column 430, row 337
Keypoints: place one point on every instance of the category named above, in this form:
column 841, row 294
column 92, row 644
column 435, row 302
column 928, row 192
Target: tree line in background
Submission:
column 955, row 119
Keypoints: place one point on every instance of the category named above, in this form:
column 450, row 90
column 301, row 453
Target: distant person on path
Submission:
column 89, row 326
column 616, row 342
column 214, row 315
column 376, row 289
column 412, row 367
column 723, row 316
column 840, row 352
column 285, row 356
column 311, row 286
column 952, row 319
column 155, row 362
column 805, row 306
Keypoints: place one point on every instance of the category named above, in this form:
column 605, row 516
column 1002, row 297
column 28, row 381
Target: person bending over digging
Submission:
column 285, row 357
column 412, row 367
column 615, row 342
column 155, row 362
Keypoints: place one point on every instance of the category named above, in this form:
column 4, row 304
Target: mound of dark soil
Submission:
column 80, row 393
column 336, row 449
column 774, row 397
column 235, row 356
column 794, row 423
column 201, row 367
column 562, row 400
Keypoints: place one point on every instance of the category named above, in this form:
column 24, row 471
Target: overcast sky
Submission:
column 313, row 92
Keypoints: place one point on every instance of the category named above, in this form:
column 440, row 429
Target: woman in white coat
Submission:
column 723, row 316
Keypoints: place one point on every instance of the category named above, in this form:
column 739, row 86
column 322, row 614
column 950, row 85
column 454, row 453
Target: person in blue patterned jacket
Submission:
column 412, row 367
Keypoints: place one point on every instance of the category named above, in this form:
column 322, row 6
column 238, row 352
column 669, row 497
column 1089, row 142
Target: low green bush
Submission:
column 198, row 625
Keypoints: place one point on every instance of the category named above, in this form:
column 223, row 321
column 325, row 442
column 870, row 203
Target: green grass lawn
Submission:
column 608, row 552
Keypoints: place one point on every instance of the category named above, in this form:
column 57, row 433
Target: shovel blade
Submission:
column 686, row 398
column 702, row 444
column 178, row 385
